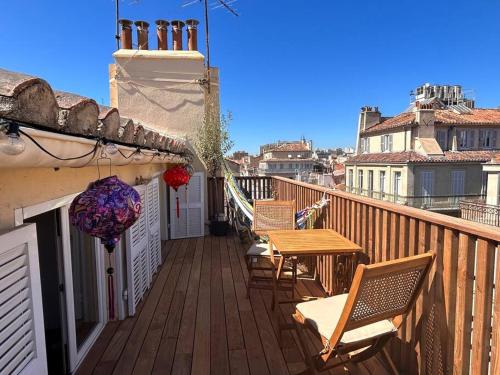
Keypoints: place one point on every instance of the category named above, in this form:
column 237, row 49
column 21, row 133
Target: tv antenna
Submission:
column 226, row 4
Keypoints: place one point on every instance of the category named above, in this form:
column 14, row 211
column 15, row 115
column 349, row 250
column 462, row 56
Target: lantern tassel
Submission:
column 177, row 208
column 111, row 295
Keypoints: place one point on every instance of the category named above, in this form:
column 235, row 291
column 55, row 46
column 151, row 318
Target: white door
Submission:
column 154, row 229
column 426, row 186
column 189, row 220
column 22, row 336
column 138, row 269
column 85, row 295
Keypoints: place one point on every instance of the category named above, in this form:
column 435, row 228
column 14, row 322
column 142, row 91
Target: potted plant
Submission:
column 212, row 143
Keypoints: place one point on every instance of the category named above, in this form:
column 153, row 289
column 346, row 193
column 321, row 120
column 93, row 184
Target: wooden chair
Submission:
column 268, row 215
column 356, row 325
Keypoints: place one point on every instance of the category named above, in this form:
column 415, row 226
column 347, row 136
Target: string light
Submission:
column 138, row 155
column 11, row 143
column 110, row 148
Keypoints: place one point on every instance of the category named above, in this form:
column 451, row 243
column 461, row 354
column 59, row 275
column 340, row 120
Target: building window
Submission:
column 370, row 183
column 382, row 184
column 466, row 139
column 365, row 145
column 350, row 180
column 487, row 138
column 386, row 143
column 360, row 182
column 281, row 166
column 397, row 185
column 441, row 139
column 426, row 186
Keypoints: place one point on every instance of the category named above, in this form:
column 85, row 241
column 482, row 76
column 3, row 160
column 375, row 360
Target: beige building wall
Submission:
column 493, row 183
column 24, row 187
column 398, row 142
column 164, row 90
column 389, row 170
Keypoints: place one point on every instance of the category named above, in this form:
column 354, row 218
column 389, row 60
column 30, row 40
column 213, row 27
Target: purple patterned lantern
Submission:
column 106, row 209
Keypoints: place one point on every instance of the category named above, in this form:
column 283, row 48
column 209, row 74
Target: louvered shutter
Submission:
column 390, row 143
column 138, row 269
column 153, row 207
column 493, row 143
column 457, row 182
column 22, row 336
column 190, row 222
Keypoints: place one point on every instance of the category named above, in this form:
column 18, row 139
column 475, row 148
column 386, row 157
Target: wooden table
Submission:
column 309, row 242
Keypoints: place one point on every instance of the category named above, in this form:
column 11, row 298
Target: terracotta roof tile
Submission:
column 400, row 120
column 477, row 116
column 291, row 147
column 415, row 157
column 387, row 157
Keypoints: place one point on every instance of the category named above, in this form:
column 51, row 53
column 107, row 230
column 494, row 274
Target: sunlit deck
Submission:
column 196, row 319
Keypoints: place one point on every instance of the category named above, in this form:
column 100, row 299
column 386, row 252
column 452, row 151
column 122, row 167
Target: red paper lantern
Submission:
column 176, row 177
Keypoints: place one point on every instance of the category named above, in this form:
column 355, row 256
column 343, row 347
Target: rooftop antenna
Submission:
column 117, row 13
column 222, row 3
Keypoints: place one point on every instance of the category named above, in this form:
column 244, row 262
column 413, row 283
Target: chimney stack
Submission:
column 192, row 34
column 177, row 35
column 142, row 34
column 126, row 34
column 161, row 33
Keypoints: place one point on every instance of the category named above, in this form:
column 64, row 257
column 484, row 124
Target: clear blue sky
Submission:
column 288, row 67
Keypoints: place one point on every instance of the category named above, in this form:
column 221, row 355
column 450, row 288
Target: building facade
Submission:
column 429, row 156
column 290, row 160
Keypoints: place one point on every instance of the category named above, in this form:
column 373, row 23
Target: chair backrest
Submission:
column 271, row 215
column 385, row 290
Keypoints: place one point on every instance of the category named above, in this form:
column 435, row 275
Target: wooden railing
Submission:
column 437, row 337
column 480, row 212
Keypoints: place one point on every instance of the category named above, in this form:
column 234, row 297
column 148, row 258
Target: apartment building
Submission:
column 429, row 156
column 287, row 159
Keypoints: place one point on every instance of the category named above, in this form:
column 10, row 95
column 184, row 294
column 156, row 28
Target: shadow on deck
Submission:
column 196, row 319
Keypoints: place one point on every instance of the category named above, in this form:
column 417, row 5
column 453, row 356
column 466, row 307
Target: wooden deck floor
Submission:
column 196, row 319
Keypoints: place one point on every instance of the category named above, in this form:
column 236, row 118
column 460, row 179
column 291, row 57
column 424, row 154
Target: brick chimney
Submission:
column 177, row 34
column 425, row 118
column 161, row 33
column 192, row 34
column 368, row 117
column 126, row 34
column 142, row 34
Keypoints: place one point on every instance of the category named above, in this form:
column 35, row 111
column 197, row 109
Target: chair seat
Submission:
column 260, row 249
column 324, row 314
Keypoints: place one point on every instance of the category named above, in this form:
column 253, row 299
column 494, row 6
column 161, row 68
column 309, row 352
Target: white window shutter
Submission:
column 153, row 214
column 390, row 142
column 138, row 270
column 191, row 220
column 22, row 333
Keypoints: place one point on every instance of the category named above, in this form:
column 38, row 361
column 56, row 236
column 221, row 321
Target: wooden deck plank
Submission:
column 114, row 350
column 136, row 339
column 197, row 319
column 255, row 354
column 184, row 350
column 178, row 276
column 219, row 360
column 201, row 351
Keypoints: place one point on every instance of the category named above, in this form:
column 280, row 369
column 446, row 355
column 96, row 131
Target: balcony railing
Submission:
column 437, row 337
column 426, row 202
column 480, row 212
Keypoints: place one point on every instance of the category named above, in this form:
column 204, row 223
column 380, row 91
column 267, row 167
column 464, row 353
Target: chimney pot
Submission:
column 192, row 34
column 142, row 34
column 161, row 33
column 126, row 34
column 177, row 34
